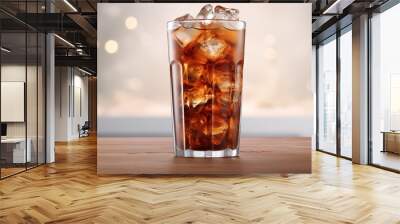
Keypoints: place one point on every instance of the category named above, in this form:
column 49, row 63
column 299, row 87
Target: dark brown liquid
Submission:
column 206, row 75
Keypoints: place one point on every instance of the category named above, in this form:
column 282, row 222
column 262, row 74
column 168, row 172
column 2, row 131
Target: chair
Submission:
column 84, row 130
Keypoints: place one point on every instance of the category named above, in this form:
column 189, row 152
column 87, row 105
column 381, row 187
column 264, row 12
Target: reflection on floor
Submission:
column 10, row 169
column 387, row 159
column 70, row 191
column 346, row 152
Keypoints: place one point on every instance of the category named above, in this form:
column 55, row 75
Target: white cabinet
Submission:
column 19, row 155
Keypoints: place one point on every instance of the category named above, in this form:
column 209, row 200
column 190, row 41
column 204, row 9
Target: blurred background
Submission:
column 134, row 97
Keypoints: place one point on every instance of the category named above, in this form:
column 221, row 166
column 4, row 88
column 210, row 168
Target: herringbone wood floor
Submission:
column 69, row 191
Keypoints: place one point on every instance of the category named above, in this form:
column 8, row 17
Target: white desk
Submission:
column 18, row 144
column 391, row 141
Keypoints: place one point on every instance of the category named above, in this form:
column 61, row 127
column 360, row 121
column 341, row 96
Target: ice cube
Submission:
column 223, row 98
column 212, row 108
column 223, row 82
column 206, row 12
column 219, row 13
column 219, row 128
column 199, row 131
column 226, row 13
column 194, row 73
column 233, row 14
column 213, row 48
column 204, row 128
column 224, row 66
column 185, row 20
column 186, row 36
column 198, row 95
column 230, row 15
column 223, row 76
column 184, row 17
column 198, row 121
column 196, row 127
column 231, row 36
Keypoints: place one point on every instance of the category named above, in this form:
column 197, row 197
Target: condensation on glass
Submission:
column 206, row 66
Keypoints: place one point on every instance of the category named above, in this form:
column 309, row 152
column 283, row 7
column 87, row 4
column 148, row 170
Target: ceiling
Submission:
column 76, row 22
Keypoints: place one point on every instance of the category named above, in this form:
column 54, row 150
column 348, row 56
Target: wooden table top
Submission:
column 154, row 156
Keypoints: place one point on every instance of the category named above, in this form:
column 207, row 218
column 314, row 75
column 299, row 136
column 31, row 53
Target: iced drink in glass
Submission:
column 206, row 67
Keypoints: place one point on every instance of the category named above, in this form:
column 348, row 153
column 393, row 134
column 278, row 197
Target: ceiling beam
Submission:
column 86, row 27
column 81, row 61
column 337, row 7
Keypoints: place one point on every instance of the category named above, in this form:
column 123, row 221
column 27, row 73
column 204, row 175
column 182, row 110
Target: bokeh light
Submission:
column 131, row 23
column 111, row 46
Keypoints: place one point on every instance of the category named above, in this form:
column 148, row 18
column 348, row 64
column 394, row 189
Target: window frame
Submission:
column 334, row 37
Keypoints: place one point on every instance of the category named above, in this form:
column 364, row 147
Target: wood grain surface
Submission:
column 70, row 191
column 155, row 156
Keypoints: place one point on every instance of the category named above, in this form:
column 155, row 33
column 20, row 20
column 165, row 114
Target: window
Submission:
column 346, row 93
column 327, row 96
column 334, row 106
column 22, row 77
column 385, row 89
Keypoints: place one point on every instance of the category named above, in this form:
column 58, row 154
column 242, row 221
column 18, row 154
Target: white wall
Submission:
column 62, row 81
column 33, row 127
column 134, row 86
column 12, row 73
column 80, row 109
column 69, row 81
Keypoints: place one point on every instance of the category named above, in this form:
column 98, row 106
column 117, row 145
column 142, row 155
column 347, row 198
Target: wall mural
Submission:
column 134, row 92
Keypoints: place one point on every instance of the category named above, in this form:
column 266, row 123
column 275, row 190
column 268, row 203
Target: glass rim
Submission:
column 200, row 20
